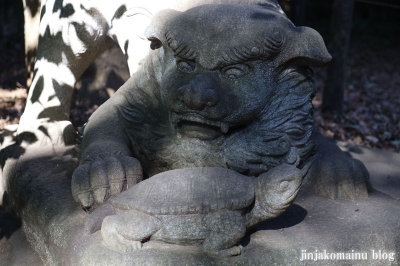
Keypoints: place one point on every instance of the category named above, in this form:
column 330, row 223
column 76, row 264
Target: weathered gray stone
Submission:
column 205, row 206
column 230, row 93
column 54, row 224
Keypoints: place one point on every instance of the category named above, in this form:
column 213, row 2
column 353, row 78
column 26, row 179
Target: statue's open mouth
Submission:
column 195, row 126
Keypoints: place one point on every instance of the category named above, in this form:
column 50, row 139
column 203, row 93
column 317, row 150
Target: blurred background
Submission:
column 358, row 95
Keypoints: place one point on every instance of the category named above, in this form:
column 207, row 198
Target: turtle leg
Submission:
column 223, row 231
column 125, row 233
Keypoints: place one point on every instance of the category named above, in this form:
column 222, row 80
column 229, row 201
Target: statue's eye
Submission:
column 236, row 71
column 186, row 66
column 284, row 185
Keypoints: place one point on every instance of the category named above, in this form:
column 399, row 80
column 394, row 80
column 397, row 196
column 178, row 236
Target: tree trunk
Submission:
column 342, row 13
column 32, row 10
column 298, row 12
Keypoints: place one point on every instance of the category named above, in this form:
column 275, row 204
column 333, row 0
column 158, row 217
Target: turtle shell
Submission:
column 188, row 191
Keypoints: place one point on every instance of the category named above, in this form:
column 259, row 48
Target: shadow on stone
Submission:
column 295, row 214
column 9, row 223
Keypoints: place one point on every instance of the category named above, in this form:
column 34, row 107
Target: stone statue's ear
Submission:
column 306, row 46
column 155, row 43
column 157, row 28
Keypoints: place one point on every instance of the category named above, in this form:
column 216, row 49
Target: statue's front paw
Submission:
column 257, row 154
column 340, row 176
column 94, row 182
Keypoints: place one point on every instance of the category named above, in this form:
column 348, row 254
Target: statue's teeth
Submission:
column 224, row 128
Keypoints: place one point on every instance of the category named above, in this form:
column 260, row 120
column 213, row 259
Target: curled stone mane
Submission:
column 296, row 91
column 288, row 113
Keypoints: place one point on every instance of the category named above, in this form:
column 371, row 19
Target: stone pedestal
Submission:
column 312, row 228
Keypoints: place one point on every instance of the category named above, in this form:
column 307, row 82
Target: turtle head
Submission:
column 275, row 190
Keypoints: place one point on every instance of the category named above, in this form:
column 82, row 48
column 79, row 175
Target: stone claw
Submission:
column 258, row 154
column 94, row 182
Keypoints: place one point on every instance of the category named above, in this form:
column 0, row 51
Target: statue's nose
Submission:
column 199, row 93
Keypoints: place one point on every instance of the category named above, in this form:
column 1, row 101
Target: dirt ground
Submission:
column 372, row 99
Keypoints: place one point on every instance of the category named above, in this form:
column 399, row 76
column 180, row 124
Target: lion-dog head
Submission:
column 225, row 85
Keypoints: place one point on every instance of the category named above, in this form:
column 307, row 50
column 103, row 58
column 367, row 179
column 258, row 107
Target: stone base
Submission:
column 39, row 191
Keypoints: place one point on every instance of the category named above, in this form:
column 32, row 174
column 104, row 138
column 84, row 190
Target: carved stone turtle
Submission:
column 207, row 206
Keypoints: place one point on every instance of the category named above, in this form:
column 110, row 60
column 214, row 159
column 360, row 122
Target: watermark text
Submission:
column 353, row 255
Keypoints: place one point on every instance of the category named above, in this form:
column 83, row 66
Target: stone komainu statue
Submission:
column 230, row 92
column 227, row 87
